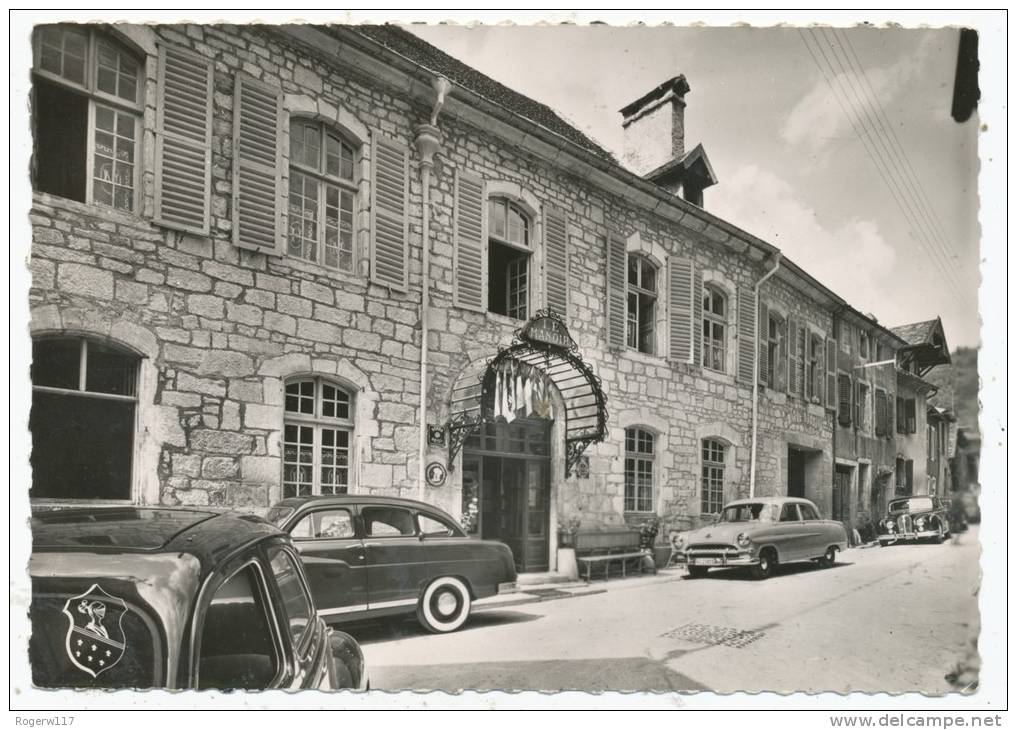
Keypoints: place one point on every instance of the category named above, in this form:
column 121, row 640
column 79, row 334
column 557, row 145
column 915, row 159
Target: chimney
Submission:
column 654, row 127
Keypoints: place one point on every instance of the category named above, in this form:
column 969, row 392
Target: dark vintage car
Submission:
column 760, row 533
column 910, row 519
column 177, row 599
column 380, row 556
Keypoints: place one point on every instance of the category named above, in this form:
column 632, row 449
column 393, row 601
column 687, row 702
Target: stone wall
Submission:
column 224, row 327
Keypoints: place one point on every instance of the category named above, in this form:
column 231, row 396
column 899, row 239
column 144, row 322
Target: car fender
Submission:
column 350, row 671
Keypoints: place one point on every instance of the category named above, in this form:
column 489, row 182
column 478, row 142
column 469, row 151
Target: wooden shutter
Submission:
column 682, row 295
column 879, row 420
column 844, row 399
column 257, row 164
column 900, row 414
column 696, row 324
column 556, row 252
column 859, row 406
column 390, row 220
column 888, row 429
column 615, row 290
column 780, row 373
column 764, row 342
column 470, row 236
column 183, row 143
column 746, row 333
column 831, row 373
column 803, row 356
column 909, row 475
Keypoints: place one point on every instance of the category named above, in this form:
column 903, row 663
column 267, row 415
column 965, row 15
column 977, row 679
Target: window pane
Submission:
column 61, row 141
column 335, row 460
column 298, row 445
column 333, row 154
column 296, row 602
column 496, row 217
column 303, row 216
column 236, row 639
column 387, row 521
column 434, row 527
column 102, row 435
column 300, row 397
column 110, row 371
column 56, row 363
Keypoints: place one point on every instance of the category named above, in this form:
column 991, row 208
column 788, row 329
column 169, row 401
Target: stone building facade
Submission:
column 275, row 235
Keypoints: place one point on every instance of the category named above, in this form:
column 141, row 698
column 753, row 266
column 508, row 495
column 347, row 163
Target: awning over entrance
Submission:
column 543, row 346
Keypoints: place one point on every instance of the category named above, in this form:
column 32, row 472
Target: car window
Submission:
column 296, row 602
column 127, row 655
column 432, row 526
column 387, row 522
column 237, row 644
column 808, row 512
column 328, row 524
column 789, row 513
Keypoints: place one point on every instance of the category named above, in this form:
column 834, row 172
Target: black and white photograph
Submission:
column 447, row 361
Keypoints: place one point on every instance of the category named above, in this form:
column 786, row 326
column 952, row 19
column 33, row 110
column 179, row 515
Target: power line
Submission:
column 869, row 145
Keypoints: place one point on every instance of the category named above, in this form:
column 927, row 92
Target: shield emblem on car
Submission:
column 95, row 636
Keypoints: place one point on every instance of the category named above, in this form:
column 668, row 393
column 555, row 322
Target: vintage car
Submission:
column 380, row 556
column 760, row 533
column 127, row 597
column 910, row 519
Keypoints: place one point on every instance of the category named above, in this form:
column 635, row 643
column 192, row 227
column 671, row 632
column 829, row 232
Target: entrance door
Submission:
column 795, row 472
column 842, row 494
column 511, row 465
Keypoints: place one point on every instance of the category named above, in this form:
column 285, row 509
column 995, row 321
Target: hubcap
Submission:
column 446, row 604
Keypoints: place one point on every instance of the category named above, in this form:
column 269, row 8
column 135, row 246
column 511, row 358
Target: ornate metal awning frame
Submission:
column 585, row 403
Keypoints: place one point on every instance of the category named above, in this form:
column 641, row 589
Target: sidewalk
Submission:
column 538, row 592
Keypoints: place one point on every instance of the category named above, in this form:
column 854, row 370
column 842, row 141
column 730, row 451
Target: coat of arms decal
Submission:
column 95, row 637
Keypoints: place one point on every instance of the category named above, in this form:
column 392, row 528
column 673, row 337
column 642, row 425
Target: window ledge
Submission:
column 643, row 356
column 717, row 375
column 310, row 267
column 503, row 319
column 90, row 209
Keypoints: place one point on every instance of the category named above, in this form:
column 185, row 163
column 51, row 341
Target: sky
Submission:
column 792, row 147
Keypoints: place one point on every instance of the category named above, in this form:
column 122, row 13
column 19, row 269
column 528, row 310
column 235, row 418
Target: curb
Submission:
column 523, row 597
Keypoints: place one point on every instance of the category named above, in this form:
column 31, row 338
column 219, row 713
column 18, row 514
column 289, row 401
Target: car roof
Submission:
column 209, row 536
column 769, row 500
column 346, row 499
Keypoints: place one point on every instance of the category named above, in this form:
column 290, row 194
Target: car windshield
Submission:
column 752, row 512
column 914, row 504
column 277, row 515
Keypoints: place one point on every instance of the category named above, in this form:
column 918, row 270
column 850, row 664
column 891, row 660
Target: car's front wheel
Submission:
column 764, row 568
column 444, row 605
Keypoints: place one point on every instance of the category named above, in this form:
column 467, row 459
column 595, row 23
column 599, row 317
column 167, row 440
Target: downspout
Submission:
column 428, row 142
column 755, row 376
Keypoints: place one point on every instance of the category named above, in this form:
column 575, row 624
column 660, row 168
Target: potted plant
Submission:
column 568, row 525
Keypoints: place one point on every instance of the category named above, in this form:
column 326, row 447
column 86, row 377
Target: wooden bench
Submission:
column 609, row 547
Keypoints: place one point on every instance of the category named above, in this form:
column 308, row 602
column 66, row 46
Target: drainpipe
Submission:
column 755, row 376
column 428, row 142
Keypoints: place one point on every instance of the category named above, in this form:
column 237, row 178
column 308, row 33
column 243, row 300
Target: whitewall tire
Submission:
column 444, row 606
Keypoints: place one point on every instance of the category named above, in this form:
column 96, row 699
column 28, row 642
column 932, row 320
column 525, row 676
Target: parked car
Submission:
column 759, row 534
column 177, row 599
column 382, row 556
column 910, row 519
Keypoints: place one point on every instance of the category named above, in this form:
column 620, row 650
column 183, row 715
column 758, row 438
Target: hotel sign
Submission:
column 548, row 329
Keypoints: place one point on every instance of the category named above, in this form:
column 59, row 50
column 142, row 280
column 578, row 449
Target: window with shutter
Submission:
column 912, row 421
column 508, row 258
column 470, row 242
column 616, row 304
column 746, row 334
column 714, row 328
column 389, row 215
column 792, row 356
column 556, row 253
column 681, row 293
column 880, row 413
column 888, row 429
column 831, row 373
column 183, row 146
column 641, row 304
column 844, row 399
column 763, row 322
column 900, row 415
column 257, row 115
column 697, row 315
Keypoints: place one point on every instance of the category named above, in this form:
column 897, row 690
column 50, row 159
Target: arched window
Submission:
column 317, row 438
column 508, row 262
column 642, row 304
column 86, row 116
column 84, row 397
column 639, row 462
column 322, row 195
column 714, row 329
column 712, row 483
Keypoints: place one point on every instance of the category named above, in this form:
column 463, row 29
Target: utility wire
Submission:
column 844, row 101
column 893, row 166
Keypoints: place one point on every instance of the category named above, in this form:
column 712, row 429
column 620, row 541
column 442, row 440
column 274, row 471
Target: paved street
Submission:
column 890, row 619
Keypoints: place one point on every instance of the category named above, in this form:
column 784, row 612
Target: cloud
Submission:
column 852, row 257
column 819, row 116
